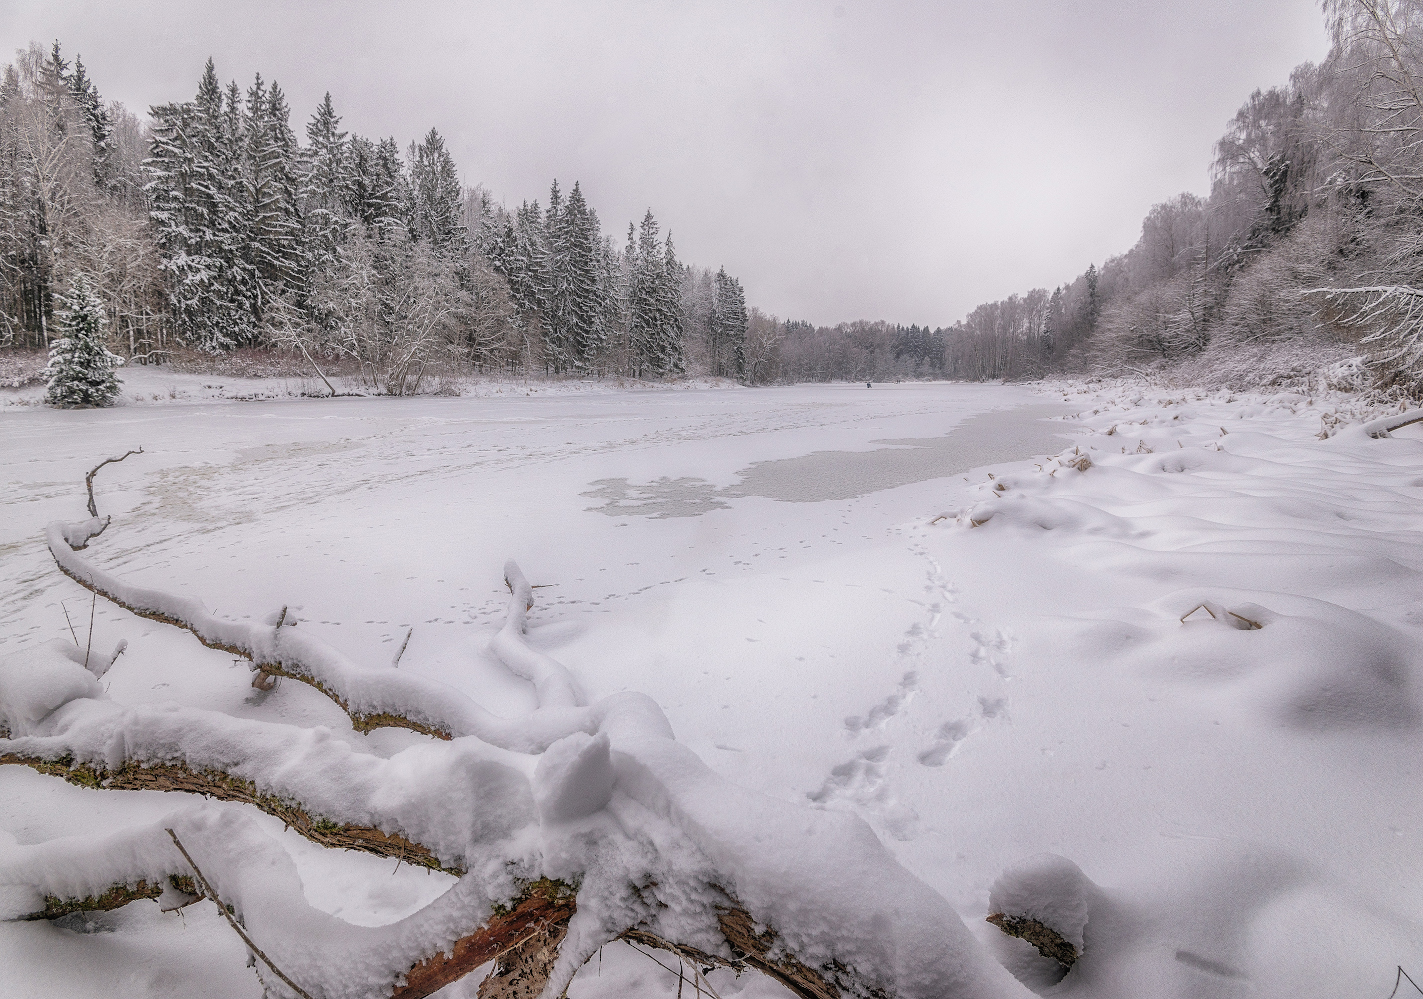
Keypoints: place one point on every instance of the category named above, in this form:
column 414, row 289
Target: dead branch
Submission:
column 231, row 921
column 89, row 479
column 319, row 373
column 88, row 647
column 751, row 949
column 1398, row 980
column 72, row 632
column 361, row 722
column 396, row 661
column 524, row 938
column 115, row 897
column 1384, row 427
column 759, row 950
column 1047, row 940
column 522, row 971
column 447, row 713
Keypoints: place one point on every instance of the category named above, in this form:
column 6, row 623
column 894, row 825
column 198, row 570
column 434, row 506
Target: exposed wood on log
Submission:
column 1048, row 941
column 216, row 784
column 756, row 949
column 522, row 971
column 751, row 949
column 536, row 923
column 116, row 896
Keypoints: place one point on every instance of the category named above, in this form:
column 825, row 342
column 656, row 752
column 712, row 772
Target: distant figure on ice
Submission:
column 867, row 384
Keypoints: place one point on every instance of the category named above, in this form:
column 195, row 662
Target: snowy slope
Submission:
column 1246, row 797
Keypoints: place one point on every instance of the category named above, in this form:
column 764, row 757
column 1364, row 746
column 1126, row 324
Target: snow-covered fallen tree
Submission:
column 575, row 825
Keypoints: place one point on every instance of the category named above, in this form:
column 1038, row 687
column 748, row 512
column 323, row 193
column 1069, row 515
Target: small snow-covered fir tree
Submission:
column 81, row 369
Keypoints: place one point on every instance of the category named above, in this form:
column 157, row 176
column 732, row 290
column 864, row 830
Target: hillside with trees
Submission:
column 1306, row 251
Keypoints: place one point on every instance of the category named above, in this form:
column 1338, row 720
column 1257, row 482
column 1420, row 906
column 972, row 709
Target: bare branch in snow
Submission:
column 208, row 891
column 89, row 479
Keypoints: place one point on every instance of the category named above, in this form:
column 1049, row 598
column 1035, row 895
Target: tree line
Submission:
column 213, row 225
column 1310, row 240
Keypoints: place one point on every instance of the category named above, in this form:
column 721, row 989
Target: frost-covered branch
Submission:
column 1393, row 315
column 372, row 698
column 1384, row 426
column 439, row 805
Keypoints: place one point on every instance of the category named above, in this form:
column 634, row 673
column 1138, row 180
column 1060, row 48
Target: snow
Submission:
column 39, row 679
column 1051, row 889
column 854, row 675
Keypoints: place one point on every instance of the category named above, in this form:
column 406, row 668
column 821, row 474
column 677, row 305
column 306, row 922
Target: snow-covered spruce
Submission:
column 80, row 372
column 660, row 848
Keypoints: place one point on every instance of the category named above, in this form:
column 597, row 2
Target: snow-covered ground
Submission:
column 835, row 604
column 149, row 385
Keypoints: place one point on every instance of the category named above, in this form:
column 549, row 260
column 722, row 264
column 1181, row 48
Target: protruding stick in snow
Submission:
column 222, row 909
column 396, row 661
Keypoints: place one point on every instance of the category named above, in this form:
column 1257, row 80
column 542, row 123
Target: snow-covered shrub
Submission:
column 1349, row 375
column 1242, row 367
column 1266, row 304
column 1164, row 321
column 81, row 369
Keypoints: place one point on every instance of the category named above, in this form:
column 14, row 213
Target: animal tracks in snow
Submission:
column 864, row 781
column 986, row 652
column 886, row 709
column 951, row 733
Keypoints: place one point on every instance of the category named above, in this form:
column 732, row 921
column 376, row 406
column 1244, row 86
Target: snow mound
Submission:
column 574, row 777
column 1309, row 663
column 35, row 682
column 1051, row 889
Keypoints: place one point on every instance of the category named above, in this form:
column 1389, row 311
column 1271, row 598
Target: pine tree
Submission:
column 278, row 235
column 92, row 110
column 182, row 205
column 325, row 178
column 260, row 197
column 611, row 318
column 586, row 330
column 557, row 280
column 374, row 183
column 670, row 355
column 80, row 372
column 435, row 209
column 529, row 262
column 729, row 322
column 196, row 193
column 627, row 280
column 239, row 306
column 645, row 299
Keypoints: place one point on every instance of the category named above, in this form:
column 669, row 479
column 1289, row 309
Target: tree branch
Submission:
column 231, row 921
column 89, row 479
column 135, row 776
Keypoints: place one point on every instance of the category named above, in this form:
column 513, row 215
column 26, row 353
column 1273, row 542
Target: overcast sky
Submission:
column 845, row 159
